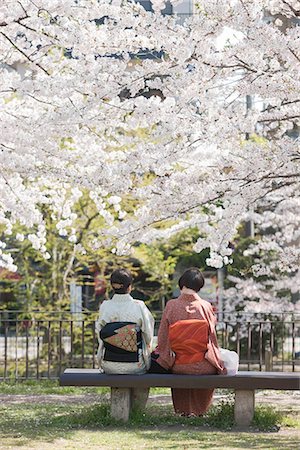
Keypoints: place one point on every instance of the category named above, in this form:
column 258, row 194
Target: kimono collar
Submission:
column 187, row 296
column 187, row 291
column 121, row 298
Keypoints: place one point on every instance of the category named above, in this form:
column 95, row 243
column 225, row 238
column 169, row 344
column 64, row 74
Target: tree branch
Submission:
column 24, row 54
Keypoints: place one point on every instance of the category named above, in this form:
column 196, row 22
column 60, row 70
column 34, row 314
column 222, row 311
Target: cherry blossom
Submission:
column 198, row 129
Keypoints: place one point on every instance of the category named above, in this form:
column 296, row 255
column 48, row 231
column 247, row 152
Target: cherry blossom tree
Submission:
column 128, row 104
column 272, row 284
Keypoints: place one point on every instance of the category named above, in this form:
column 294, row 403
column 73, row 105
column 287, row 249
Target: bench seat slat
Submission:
column 243, row 380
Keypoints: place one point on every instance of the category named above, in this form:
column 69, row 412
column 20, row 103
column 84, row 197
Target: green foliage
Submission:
column 222, row 415
column 45, row 283
column 266, row 418
column 86, row 416
column 46, row 387
column 160, row 260
column 291, row 421
column 159, row 268
column 241, row 266
column 219, row 416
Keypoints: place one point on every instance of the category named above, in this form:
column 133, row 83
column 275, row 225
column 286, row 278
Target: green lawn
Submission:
column 34, row 387
column 66, row 424
column 169, row 438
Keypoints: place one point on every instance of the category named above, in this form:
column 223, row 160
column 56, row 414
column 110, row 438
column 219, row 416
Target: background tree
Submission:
column 75, row 87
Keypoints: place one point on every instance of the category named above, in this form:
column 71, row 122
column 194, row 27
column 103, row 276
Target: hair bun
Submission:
column 117, row 285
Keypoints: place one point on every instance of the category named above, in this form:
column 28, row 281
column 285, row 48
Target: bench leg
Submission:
column 120, row 405
column 139, row 398
column 244, row 407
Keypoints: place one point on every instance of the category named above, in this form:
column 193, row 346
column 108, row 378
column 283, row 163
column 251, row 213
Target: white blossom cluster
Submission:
column 105, row 96
column 274, row 284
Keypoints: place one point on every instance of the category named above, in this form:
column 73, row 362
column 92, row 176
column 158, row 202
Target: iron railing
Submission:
column 43, row 344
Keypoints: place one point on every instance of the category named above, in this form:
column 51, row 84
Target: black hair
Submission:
column 120, row 281
column 192, row 279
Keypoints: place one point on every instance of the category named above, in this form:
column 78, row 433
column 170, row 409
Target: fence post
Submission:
column 268, row 359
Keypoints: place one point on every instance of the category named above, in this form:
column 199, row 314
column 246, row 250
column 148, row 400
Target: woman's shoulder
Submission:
column 171, row 303
column 207, row 307
column 105, row 303
column 140, row 303
column 205, row 303
column 143, row 308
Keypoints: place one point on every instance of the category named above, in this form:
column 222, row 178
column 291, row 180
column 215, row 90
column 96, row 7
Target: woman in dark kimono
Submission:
column 187, row 343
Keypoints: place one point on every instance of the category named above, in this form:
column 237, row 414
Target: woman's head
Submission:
column 121, row 281
column 192, row 279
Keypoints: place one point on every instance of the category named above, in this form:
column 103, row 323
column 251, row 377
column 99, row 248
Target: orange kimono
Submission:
column 187, row 344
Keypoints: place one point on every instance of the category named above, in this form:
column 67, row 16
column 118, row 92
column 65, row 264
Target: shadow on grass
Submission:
column 37, row 422
column 212, row 439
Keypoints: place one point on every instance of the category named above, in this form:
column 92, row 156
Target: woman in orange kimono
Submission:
column 187, row 343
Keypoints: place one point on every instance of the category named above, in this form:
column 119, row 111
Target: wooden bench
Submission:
column 128, row 391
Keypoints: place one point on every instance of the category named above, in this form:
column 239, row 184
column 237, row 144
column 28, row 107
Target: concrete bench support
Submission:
column 139, row 398
column 131, row 391
column 244, row 407
column 120, row 403
column 122, row 400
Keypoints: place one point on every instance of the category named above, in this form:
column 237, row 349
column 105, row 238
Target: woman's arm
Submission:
column 213, row 353
column 166, row 357
column 147, row 324
column 99, row 325
column 147, row 329
column 100, row 322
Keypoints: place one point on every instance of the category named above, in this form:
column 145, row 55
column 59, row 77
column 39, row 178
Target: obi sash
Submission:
column 122, row 341
column 188, row 340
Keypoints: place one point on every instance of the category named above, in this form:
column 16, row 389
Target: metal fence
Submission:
column 43, row 345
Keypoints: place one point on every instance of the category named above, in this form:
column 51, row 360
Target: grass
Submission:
column 90, row 427
column 76, row 425
column 44, row 387
column 28, row 417
column 156, row 439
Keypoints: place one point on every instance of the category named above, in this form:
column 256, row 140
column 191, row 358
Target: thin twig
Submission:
column 24, row 54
